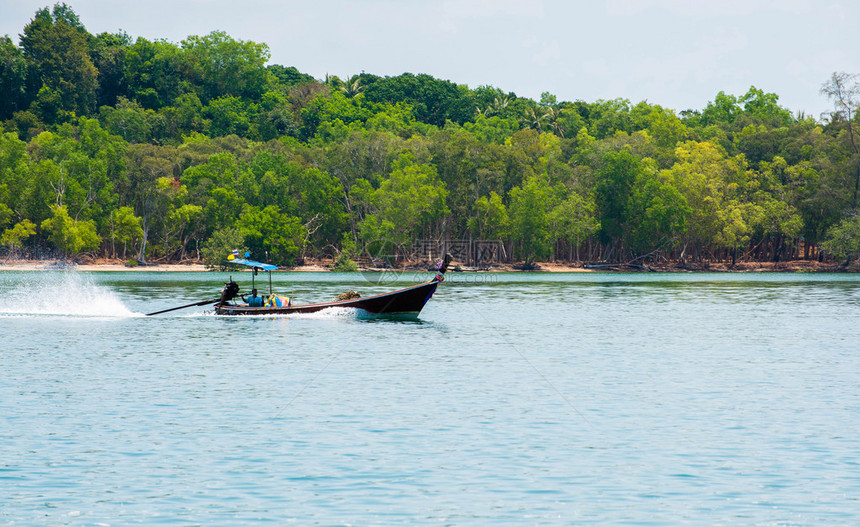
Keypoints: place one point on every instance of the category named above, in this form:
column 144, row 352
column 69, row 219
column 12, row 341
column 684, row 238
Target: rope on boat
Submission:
column 349, row 295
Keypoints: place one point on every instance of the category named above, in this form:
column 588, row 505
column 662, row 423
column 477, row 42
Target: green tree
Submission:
column 778, row 219
column 223, row 66
column 350, row 86
column 108, row 54
column 289, row 76
column 657, row 212
column 79, row 164
column 48, row 107
column 149, row 176
column 407, row 204
column 14, row 238
column 229, row 115
column 529, row 217
column 70, row 236
column 332, row 108
column 843, row 240
column 396, row 118
column 844, row 90
column 274, row 117
column 765, row 108
column 123, row 227
column 185, row 223
column 220, row 170
column 470, row 169
column 268, row 232
column 55, row 45
column 491, row 220
column 492, row 102
column 156, row 72
column 724, row 109
column 662, row 124
column 13, row 79
column 317, row 201
column 492, row 129
column 434, row 101
column 128, row 120
column 712, row 185
column 5, row 212
column 573, row 221
column 15, row 176
column 219, row 246
column 377, row 236
column 612, row 191
column 608, row 117
column 222, row 209
column 26, row 123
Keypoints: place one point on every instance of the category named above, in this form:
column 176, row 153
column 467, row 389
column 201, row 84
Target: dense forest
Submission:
column 148, row 150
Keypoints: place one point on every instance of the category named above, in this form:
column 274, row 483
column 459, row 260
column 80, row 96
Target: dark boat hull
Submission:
column 409, row 300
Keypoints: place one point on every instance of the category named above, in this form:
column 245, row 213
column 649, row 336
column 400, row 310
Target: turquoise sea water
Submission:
column 520, row 399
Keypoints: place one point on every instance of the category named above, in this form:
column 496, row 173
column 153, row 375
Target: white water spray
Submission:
column 64, row 293
column 332, row 312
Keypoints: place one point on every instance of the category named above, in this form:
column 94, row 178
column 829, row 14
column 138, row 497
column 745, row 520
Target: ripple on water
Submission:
column 564, row 401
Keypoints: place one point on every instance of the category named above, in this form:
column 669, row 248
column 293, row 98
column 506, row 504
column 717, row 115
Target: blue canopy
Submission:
column 252, row 263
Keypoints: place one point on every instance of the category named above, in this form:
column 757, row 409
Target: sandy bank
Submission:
column 54, row 265
column 544, row 267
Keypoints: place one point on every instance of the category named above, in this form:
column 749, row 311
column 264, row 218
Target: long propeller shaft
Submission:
column 202, row 303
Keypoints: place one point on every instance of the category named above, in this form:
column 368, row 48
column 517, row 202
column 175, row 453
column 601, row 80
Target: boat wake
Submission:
column 332, row 312
column 61, row 294
column 327, row 313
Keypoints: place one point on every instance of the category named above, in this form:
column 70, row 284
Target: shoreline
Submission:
column 794, row 266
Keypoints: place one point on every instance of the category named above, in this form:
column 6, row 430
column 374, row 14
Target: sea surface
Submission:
column 514, row 399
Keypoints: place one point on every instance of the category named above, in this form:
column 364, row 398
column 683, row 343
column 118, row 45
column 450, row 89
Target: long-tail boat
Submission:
column 406, row 301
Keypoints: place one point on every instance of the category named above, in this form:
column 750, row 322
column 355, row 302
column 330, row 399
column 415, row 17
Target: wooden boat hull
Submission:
column 409, row 300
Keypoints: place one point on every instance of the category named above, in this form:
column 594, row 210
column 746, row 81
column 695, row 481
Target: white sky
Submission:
column 676, row 53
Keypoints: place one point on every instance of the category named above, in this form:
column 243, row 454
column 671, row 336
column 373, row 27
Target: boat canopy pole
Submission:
column 254, row 265
column 254, row 274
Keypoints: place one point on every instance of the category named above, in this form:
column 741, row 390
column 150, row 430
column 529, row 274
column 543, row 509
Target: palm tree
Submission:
column 352, row 86
column 333, row 82
column 500, row 105
column 551, row 117
column 532, row 120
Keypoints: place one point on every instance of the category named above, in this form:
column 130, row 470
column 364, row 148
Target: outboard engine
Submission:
column 231, row 289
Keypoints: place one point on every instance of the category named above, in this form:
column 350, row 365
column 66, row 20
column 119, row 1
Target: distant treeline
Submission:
column 151, row 150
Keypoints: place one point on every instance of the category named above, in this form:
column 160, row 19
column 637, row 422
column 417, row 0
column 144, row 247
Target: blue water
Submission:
column 519, row 399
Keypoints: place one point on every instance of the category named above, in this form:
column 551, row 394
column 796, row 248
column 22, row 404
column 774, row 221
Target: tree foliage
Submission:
column 843, row 239
column 153, row 150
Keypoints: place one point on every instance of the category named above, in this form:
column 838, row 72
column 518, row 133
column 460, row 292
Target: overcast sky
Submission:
column 675, row 53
